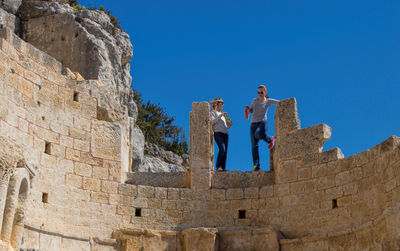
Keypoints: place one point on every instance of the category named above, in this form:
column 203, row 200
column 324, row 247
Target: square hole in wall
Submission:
column 242, row 214
column 334, row 203
column 76, row 96
column 138, row 212
column 47, row 147
column 45, row 197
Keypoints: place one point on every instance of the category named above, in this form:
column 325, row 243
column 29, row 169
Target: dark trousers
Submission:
column 222, row 142
column 258, row 131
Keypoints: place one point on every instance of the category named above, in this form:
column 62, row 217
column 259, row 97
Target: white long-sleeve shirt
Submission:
column 218, row 122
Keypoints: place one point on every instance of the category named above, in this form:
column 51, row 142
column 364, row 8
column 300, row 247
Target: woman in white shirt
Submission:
column 221, row 123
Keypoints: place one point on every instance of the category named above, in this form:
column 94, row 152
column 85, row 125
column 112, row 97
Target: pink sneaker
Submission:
column 271, row 145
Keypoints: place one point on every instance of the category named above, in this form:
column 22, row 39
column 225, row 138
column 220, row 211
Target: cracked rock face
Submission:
column 88, row 42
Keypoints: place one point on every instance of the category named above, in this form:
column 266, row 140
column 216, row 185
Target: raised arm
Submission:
column 273, row 101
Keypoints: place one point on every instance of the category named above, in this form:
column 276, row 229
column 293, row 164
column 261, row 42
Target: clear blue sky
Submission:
column 339, row 59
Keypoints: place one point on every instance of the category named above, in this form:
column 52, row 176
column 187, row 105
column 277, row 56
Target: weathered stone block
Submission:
column 73, row 180
column 343, row 178
column 234, row 194
column 286, row 117
column 91, row 184
column 331, row 155
column 173, row 194
column 199, row 239
column 106, row 140
column 100, row 173
column 83, row 169
column 251, row 193
column 326, row 182
column 287, row 172
column 146, row 191
column 109, row 187
column 266, row 191
column 281, row 189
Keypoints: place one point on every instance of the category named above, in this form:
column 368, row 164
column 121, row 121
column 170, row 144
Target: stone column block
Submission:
column 200, row 146
column 286, row 117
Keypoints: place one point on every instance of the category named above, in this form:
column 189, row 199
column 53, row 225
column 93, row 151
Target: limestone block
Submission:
column 82, row 124
column 200, row 178
column 109, row 187
column 100, row 173
column 234, row 194
column 240, row 204
column 91, row 184
column 218, row 194
column 343, row 178
column 304, row 173
column 266, row 191
column 286, row 117
column 331, row 155
column 99, row 197
column 160, row 192
column 106, row 140
column 50, row 242
column 80, row 145
column 146, row 191
column 199, row 239
column 173, row 194
column 200, row 136
column 326, row 182
column 44, row 134
column 305, row 186
column 302, row 142
column 71, row 244
column 31, row 239
column 287, row 172
column 72, row 154
column 114, row 170
column 257, row 240
column 165, row 240
column 236, row 179
column 83, row 169
column 281, row 189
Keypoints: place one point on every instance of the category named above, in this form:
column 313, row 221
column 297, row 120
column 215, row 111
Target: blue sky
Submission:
column 339, row 59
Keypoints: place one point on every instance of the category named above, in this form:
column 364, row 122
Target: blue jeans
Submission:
column 258, row 131
column 222, row 142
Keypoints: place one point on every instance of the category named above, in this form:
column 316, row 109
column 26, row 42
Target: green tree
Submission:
column 158, row 127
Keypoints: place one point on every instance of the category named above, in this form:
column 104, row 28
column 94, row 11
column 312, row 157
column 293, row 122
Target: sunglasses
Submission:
column 260, row 92
column 220, row 102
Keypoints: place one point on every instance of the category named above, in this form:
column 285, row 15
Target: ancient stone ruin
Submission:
column 67, row 155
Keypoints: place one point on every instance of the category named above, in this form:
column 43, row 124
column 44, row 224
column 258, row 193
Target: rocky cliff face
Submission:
column 89, row 42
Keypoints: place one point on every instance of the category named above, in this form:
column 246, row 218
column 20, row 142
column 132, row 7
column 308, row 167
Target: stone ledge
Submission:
column 177, row 180
column 237, row 179
column 40, row 229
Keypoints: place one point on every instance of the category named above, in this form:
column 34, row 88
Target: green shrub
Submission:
column 158, row 127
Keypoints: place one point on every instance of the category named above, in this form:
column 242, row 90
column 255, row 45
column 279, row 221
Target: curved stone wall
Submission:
column 80, row 188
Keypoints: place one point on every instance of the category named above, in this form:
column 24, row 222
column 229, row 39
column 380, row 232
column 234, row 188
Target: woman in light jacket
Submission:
column 259, row 125
column 221, row 123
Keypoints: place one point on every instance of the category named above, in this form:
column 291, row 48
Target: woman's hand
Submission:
column 229, row 123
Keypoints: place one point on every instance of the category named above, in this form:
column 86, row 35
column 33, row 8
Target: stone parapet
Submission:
column 164, row 179
column 236, row 179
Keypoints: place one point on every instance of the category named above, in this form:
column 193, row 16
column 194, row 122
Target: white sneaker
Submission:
column 219, row 169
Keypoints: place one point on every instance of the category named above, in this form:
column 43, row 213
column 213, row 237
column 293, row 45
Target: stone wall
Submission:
column 79, row 192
